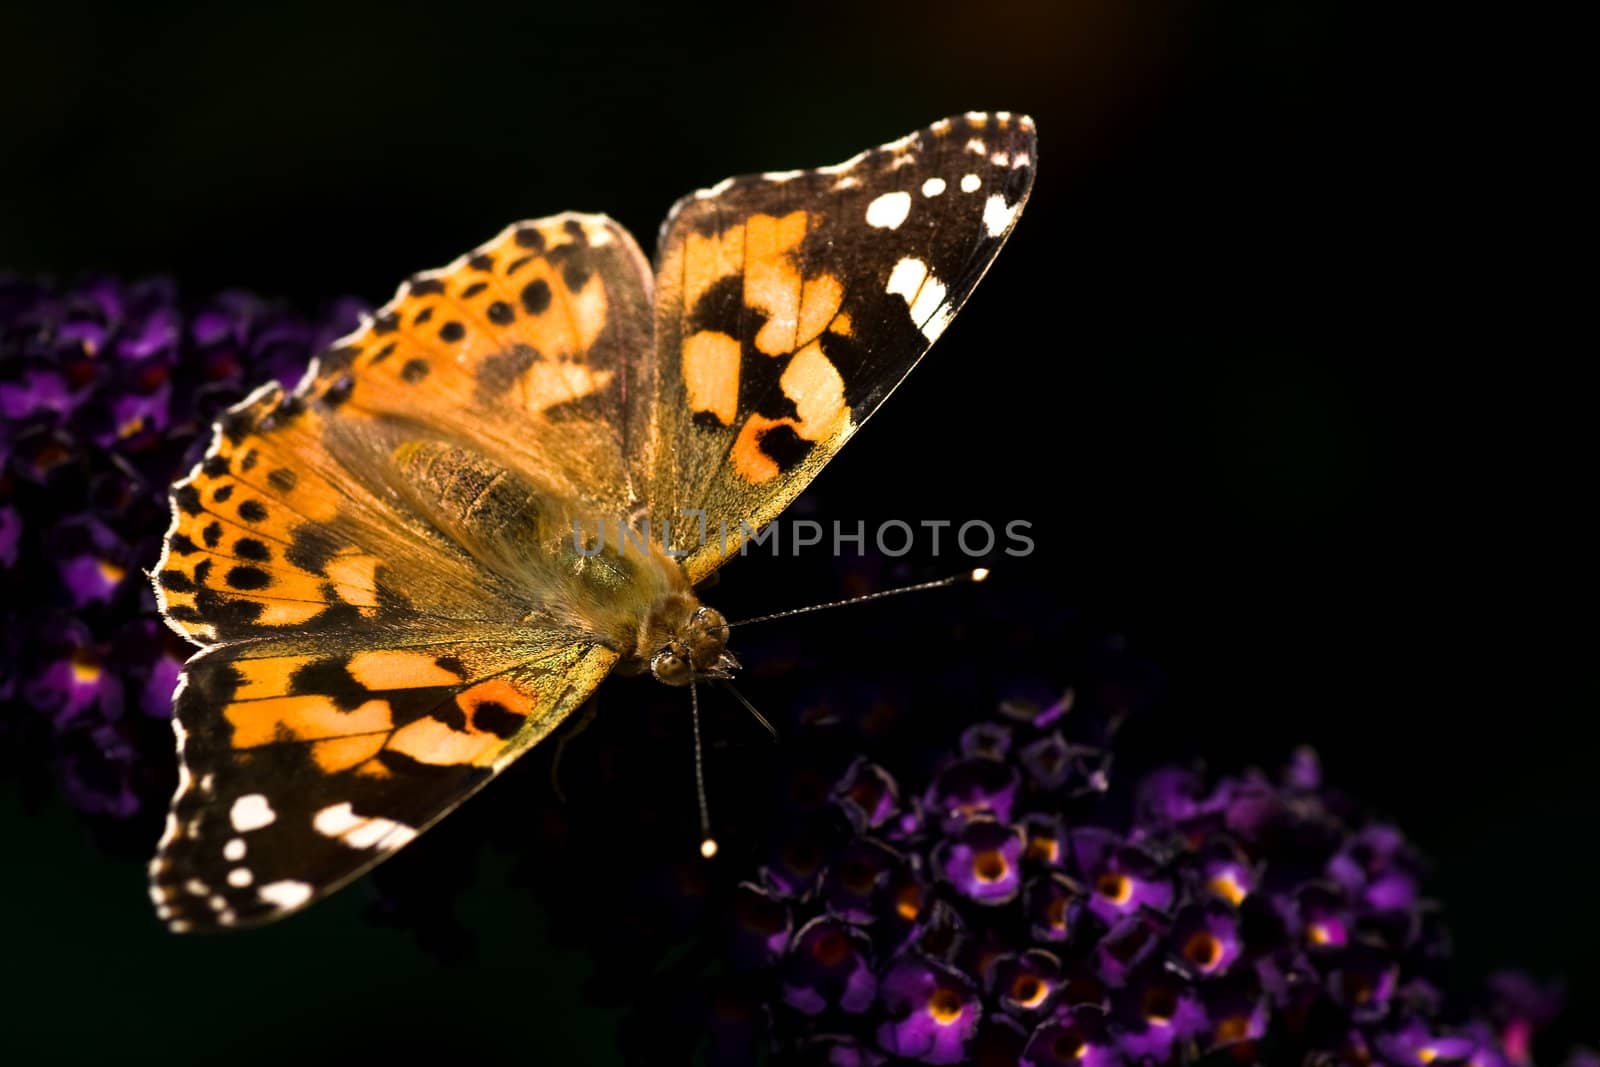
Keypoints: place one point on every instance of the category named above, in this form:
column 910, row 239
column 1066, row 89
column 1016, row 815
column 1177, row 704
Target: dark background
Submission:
column 1265, row 364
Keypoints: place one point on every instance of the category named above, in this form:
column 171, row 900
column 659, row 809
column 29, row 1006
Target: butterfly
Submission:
column 392, row 571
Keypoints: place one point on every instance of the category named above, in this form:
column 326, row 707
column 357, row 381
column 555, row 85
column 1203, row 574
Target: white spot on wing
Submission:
column 196, row 887
column 1020, row 160
column 782, row 175
column 849, row 181
column 970, row 183
column 977, row 147
column 1000, row 159
column 251, row 812
column 997, row 216
column 240, row 877
column 923, row 293
column 977, row 118
column 335, row 820
column 286, row 894
column 360, row 831
column 933, row 187
column 234, row 850
column 888, row 211
column 385, row 832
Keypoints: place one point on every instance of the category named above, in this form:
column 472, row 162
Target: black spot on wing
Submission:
column 499, row 372
column 310, row 549
column 247, row 578
column 536, row 296
column 785, row 447
column 251, row 549
column 495, row 718
column 330, row 678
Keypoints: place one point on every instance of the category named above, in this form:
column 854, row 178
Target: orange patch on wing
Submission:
column 397, row 669
column 817, row 389
column 820, row 298
column 343, row 753
column 771, row 280
column 430, row 741
column 288, row 612
column 497, row 691
column 261, row 678
column 303, row 718
column 711, row 374
column 354, row 578
column 708, row 260
column 749, row 461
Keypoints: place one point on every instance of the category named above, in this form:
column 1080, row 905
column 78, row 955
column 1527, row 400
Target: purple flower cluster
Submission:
column 107, row 392
column 1009, row 911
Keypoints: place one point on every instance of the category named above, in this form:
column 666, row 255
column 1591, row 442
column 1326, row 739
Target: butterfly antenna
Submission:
column 977, row 574
column 751, row 708
column 708, row 844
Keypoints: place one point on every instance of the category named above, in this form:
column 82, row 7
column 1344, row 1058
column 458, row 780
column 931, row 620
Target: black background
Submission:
column 1265, row 363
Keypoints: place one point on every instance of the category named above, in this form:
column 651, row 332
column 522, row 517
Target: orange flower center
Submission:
column 1115, row 887
column 1203, row 950
column 990, row 866
column 1227, row 887
column 1029, row 991
column 944, row 1006
column 85, row 670
column 908, row 902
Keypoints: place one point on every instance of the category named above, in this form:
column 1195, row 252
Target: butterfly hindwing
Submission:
column 308, row 760
column 789, row 305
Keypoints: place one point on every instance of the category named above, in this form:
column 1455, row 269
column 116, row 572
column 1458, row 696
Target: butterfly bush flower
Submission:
column 1006, row 905
column 107, row 392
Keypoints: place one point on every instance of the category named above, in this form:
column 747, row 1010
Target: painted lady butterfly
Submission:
column 381, row 567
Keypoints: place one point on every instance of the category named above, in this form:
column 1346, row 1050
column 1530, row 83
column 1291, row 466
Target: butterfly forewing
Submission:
column 789, row 305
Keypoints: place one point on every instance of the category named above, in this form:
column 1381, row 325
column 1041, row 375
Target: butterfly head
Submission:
column 683, row 641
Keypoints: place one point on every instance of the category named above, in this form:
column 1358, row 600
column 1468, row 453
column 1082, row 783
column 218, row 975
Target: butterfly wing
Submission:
column 309, row 759
column 789, row 305
column 381, row 568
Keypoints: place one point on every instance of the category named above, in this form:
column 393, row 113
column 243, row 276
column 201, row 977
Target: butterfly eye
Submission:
column 709, row 621
column 671, row 668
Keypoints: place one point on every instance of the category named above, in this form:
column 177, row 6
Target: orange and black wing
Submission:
column 379, row 566
column 307, row 760
column 789, row 305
